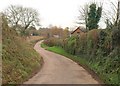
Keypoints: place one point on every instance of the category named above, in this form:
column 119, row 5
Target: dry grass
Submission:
column 19, row 59
column 34, row 38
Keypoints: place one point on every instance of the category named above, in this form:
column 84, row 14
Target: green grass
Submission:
column 55, row 49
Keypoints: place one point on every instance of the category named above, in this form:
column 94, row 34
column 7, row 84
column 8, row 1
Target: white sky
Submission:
column 56, row 12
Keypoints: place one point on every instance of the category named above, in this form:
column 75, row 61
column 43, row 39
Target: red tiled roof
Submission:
column 83, row 30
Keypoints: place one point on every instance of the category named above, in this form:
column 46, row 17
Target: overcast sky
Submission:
column 55, row 12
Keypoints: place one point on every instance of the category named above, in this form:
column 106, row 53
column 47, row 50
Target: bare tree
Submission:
column 21, row 16
column 113, row 15
column 118, row 13
column 30, row 18
column 83, row 15
column 13, row 14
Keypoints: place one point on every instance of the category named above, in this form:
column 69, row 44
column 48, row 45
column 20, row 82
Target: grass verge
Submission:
column 19, row 59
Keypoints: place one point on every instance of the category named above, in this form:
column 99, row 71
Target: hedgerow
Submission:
column 99, row 50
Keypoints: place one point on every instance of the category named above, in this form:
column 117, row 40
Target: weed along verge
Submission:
column 35, row 71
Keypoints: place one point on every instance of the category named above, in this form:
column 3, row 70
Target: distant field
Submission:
column 34, row 38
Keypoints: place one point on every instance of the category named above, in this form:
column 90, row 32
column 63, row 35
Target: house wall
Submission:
column 77, row 32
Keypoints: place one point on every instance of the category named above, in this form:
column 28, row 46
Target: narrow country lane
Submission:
column 58, row 69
